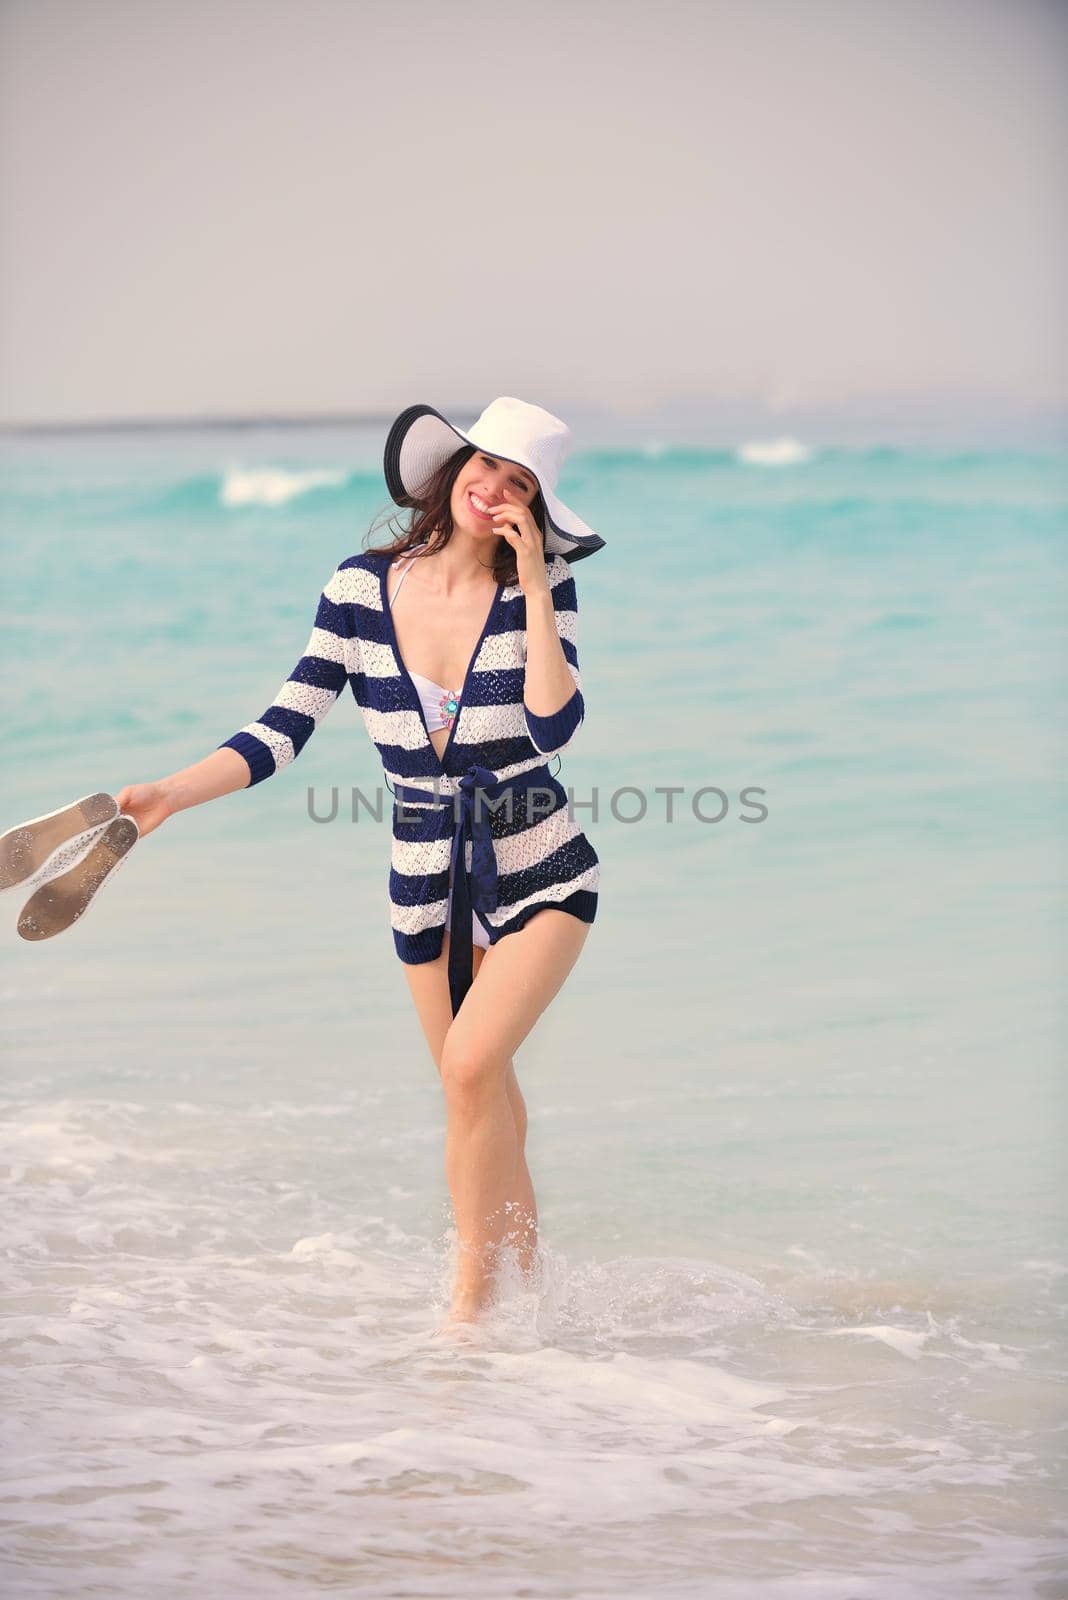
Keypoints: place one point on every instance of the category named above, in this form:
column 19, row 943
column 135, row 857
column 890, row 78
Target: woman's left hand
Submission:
column 515, row 522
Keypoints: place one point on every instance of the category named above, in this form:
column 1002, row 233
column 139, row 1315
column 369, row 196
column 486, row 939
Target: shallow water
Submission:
column 796, row 1120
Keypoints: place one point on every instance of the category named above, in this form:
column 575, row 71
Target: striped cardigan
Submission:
column 542, row 859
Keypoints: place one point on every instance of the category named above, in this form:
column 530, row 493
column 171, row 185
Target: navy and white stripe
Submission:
column 542, row 860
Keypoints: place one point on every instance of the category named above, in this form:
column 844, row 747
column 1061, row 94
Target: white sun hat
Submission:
column 421, row 440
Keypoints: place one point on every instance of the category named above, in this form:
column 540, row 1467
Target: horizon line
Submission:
column 306, row 419
column 909, row 413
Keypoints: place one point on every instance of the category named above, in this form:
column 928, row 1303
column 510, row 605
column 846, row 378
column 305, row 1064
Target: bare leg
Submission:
column 516, row 981
column 521, row 1207
column 429, row 985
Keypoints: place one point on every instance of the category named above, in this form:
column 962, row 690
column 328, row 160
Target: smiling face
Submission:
column 479, row 485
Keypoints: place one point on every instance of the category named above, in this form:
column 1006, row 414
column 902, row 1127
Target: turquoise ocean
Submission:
column 797, row 1118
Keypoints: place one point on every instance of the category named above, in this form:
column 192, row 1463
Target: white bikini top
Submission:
column 440, row 705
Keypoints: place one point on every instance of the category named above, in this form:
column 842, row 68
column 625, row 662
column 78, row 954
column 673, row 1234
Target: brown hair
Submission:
column 431, row 519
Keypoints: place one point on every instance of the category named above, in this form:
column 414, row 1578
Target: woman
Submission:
column 467, row 682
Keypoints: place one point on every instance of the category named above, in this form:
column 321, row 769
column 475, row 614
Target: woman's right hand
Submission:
column 146, row 802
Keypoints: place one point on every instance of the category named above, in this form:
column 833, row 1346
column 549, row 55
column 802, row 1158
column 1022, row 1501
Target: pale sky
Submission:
column 239, row 207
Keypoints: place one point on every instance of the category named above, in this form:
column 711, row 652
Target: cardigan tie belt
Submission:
column 476, row 891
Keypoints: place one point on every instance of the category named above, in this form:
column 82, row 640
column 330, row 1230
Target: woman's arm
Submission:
column 152, row 803
column 220, row 773
column 552, row 692
column 261, row 748
column 278, row 736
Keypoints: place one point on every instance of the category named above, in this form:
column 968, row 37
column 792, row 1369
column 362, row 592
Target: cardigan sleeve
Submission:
column 278, row 736
column 549, row 734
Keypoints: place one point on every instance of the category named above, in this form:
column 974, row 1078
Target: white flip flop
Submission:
column 59, row 902
column 47, row 845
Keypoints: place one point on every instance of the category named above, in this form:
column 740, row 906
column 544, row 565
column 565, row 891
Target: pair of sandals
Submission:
column 66, row 856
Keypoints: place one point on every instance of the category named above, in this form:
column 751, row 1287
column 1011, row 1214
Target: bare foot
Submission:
column 463, row 1317
column 467, row 1304
column 462, row 1313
